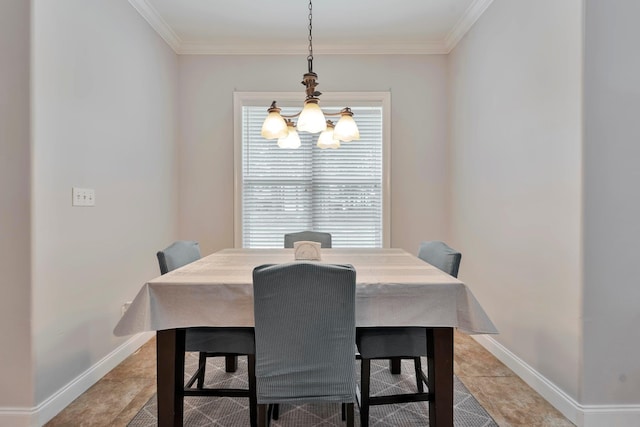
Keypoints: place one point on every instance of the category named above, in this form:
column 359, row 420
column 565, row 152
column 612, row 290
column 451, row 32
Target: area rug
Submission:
column 231, row 412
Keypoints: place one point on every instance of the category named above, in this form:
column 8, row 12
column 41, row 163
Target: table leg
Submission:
column 170, row 376
column 395, row 365
column 440, row 376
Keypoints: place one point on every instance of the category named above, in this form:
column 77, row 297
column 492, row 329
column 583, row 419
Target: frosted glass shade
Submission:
column 346, row 128
column 274, row 126
column 311, row 118
column 326, row 139
column 292, row 140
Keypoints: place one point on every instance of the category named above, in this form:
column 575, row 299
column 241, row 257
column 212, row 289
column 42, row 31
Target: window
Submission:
column 341, row 191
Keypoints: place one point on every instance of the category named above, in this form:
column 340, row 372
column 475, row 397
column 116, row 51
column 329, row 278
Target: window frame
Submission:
column 296, row 99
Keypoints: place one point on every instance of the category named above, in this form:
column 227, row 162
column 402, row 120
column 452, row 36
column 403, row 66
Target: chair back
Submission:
column 441, row 256
column 305, row 332
column 312, row 236
column 178, row 254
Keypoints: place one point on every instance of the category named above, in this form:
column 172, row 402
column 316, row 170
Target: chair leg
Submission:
column 231, row 363
column 276, row 411
column 418, row 365
column 202, row 364
column 365, row 372
column 253, row 401
column 263, row 415
column 395, row 365
column 350, row 415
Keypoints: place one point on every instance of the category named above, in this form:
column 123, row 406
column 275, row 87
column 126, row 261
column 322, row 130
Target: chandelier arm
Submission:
column 291, row 116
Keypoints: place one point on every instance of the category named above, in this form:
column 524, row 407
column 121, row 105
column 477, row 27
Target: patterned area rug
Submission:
column 227, row 412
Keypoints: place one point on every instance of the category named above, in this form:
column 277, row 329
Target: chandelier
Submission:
column 311, row 119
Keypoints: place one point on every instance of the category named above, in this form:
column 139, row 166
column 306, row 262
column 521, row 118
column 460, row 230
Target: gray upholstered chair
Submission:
column 178, row 254
column 305, row 330
column 312, row 236
column 398, row 343
column 212, row 342
column 441, row 256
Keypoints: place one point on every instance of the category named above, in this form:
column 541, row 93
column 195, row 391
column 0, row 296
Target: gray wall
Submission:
column 517, row 178
column 545, row 101
column 104, row 117
column 611, row 203
column 16, row 386
column 419, row 174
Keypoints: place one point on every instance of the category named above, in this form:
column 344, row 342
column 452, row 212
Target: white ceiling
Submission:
column 339, row 26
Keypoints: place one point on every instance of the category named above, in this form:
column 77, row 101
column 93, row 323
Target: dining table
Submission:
column 393, row 288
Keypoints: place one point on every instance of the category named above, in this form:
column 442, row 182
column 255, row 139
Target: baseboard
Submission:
column 580, row 415
column 610, row 415
column 45, row 411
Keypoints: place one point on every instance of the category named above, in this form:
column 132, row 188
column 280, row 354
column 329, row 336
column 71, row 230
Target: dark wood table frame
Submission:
column 170, row 376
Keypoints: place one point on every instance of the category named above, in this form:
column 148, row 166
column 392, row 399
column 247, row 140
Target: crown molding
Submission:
column 337, row 49
column 154, row 19
column 471, row 15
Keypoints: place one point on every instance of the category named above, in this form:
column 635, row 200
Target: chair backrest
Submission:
column 312, row 236
column 440, row 255
column 178, row 254
column 305, row 332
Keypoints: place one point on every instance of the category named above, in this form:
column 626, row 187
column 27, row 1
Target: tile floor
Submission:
column 117, row 397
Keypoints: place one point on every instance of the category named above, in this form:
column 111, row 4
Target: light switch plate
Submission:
column 83, row 196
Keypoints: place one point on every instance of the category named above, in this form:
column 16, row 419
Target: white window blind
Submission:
column 338, row 191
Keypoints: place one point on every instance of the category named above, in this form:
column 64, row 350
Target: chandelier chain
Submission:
column 310, row 56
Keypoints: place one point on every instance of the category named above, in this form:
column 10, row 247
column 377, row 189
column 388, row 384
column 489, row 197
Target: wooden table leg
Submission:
column 170, row 376
column 395, row 365
column 231, row 363
column 440, row 376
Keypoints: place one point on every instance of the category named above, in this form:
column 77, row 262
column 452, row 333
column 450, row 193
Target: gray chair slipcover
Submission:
column 304, row 331
column 441, row 256
column 401, row 342
column 212, row 342
column 178, row 254
column 312, row 236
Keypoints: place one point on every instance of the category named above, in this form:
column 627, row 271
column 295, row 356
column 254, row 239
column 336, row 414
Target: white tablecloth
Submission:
column 394, row 288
